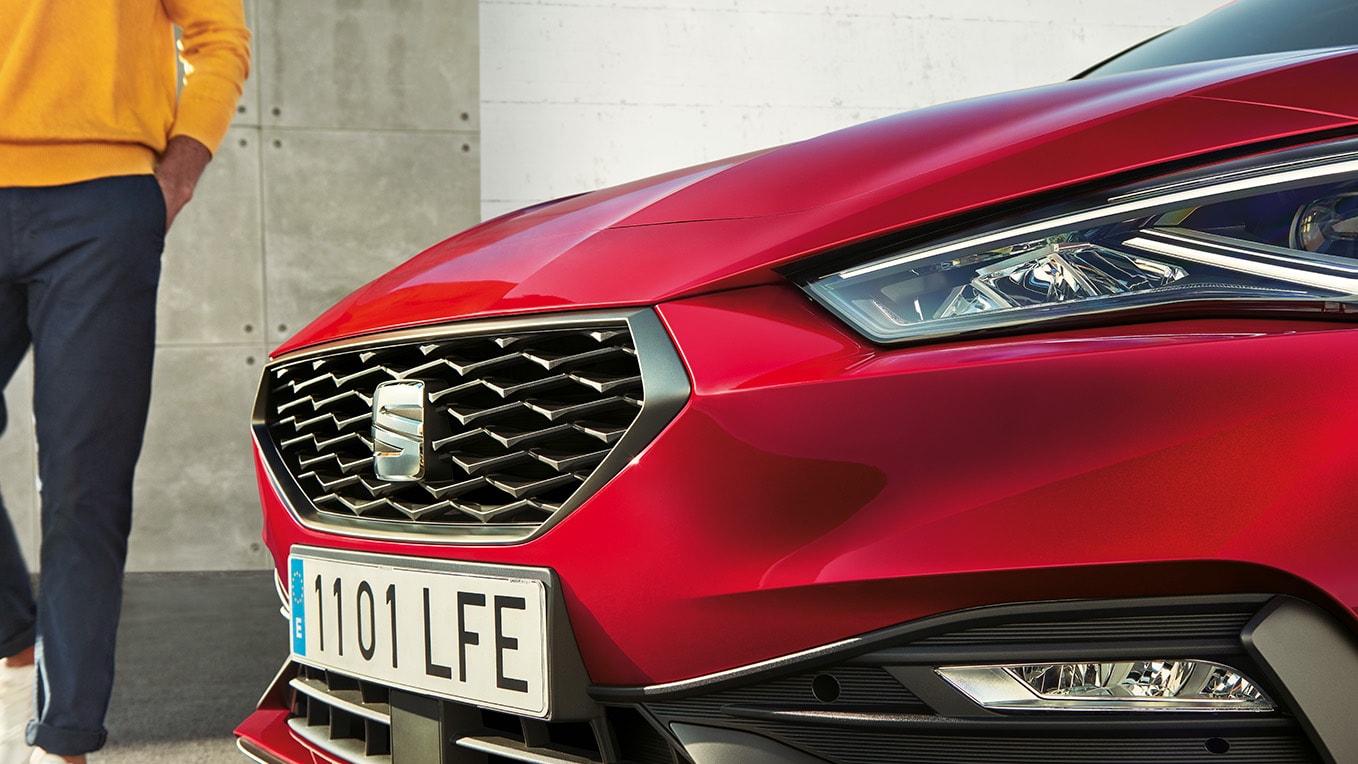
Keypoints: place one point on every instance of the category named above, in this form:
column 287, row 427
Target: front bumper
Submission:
column 877, row 698
column 796, row 504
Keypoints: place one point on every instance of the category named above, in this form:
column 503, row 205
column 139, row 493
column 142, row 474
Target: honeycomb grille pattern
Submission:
column 515, row 422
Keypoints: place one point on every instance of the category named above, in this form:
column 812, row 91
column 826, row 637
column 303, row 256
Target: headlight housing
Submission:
column 1279, row 232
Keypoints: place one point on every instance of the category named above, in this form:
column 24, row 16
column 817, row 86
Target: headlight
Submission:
column 1281, row 234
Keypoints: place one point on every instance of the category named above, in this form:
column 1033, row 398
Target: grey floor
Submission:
column 195, row 651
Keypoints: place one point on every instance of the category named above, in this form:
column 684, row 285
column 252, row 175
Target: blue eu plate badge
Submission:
column 296, row 585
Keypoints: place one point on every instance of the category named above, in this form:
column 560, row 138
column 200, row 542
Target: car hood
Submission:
column 730, row 223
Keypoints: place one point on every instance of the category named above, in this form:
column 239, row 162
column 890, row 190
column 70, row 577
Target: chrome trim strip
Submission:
column 427, row 564
column 698, row 683
column 666, row 389
column 1267, row 176
column 275, row 682
column 911, row 631
column 255, row 754
column 445, row 331
column 1230, row 175
column 285, row 600
column 992, row 686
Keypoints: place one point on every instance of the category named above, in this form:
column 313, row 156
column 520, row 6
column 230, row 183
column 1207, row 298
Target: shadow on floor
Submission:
column 195, row 652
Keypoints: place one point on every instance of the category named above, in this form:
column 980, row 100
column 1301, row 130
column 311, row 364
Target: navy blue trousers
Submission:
column 79, row 266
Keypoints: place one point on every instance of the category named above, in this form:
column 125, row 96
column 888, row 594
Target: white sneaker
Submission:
column 43, row 757
column 16, row 708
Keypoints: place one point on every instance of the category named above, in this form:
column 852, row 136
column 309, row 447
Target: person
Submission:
column 99, row 151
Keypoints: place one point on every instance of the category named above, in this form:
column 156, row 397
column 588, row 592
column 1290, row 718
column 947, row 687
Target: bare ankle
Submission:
column 22, row 658
column 40, row 755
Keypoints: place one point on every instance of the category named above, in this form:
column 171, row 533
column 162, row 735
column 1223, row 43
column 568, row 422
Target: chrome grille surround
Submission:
column 524, row 420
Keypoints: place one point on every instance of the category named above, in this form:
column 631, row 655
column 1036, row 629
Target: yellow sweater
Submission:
column 88, row 87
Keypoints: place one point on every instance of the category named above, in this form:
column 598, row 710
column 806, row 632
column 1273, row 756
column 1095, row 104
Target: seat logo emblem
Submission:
column 398, row 431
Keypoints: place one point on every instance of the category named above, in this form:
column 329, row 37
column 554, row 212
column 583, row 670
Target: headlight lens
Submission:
column 1279, row 235
column 1329, row 226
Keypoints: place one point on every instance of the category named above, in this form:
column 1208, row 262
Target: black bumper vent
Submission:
column 342, row 715
column 517, row 419
column 1163, row 626
column 864, row 747
column 883, row 702
column 844, row 689
column 367, row 723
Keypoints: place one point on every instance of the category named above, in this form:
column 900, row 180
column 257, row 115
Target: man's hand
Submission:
column 178, row 171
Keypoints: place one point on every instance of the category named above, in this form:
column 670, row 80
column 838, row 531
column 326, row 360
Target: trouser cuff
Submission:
column 65, row 742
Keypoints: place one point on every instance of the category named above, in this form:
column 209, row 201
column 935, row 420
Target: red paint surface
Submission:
column 728, row 224
column 816, row 487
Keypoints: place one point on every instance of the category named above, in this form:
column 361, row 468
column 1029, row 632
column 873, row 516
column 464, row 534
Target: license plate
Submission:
column 443, row 629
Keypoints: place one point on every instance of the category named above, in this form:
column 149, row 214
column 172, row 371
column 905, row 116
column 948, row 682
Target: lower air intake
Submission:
column 366, row 723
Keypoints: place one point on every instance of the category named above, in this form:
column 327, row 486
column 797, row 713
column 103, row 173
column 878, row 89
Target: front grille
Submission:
column 354, row 721
column 342, row 715
column 517, row 419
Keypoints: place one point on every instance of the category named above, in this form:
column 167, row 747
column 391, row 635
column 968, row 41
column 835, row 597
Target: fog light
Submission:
column 1149, row 685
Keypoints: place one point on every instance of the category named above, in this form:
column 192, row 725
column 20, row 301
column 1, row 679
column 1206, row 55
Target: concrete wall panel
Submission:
column 247, row 111
column 353, row 160
column 581, row 94
column 551, row 147
column 371, row 64
column 362, row 166
column 342, row 207
column 212, row 283
column 19, row 462
column 196, row 503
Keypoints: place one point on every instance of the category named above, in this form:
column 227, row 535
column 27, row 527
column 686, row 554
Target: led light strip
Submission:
column 1338, row 284
column 1115, row 211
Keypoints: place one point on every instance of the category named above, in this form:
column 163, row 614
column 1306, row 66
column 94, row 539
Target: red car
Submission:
column 1013, row 430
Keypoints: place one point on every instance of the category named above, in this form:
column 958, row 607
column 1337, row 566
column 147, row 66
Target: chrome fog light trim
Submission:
column 1141, row 685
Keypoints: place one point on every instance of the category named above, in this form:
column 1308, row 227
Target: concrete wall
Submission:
column 356, row 145
column 359, row 142
column 582, row 94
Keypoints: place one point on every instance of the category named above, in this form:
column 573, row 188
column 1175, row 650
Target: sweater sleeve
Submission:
column 215, row 47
